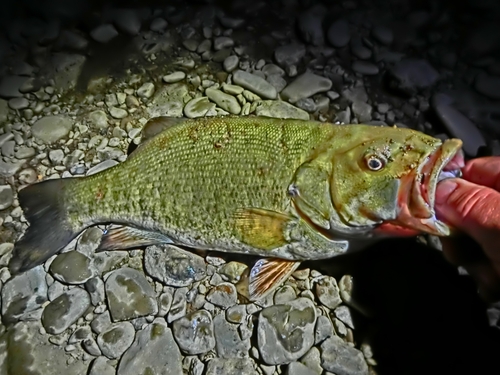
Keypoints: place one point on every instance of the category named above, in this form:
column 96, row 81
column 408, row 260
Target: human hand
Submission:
column 472, row 205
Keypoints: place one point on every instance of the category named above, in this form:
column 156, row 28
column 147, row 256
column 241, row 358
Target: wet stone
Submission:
column 312, row 359
column 62, row 312
column 24, row 152
column 230, row 63
column 6, row 196
column 4, row 111
column 231, row 366
column 178, row 306
column 194, row 333
column 232, row 271
column 174, row 77
column 18, row 103
column 169, row 100
column 289, row 54
column 72, row 267
column 284, row 294
column 118, row 113
column 327, row 292
column 224, row 101
column 255, row 84
column 229, row 343
column 101, row 322
column 199, row 107
column 158, row 25
column 310, row 25
column 305, row 86
column 50, row 129
column 280, row 109
column 100, row 366
column 95, row 288
column 223, row 295
column 23, row 294
column 80, row 334
column 146, row 91
column 128, row 21
column 324, row 329
column 342, row 359
column 236, row 314
column 297, row 368
column 344, row 314
column 173, row 266
column 129, row 295
column 222, row 42
column 153, row 351
column 99, row 119
column 286, row 332
column 362, row 111
column 307, row 104
column 116, row 339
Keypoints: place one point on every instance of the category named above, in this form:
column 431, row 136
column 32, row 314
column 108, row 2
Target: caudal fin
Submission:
column 48, row 232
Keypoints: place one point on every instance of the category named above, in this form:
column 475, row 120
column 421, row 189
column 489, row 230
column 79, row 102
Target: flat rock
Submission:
column 19, row 103
column 23, row 294
column 118, row 113
column 174, row 77
column 95, row 288
column 412, row 75
column 286, row 332
column 324, row 329
column 129, row 295
column 327, row 292
column 224, row 101
column 194, row 333
column 50, row 129
column 240, row 366
column 199, row 107
column 67, row 69
column 229, row 343
column 72, row 267
column 488, row 85
column 116, row 339
column 100, row 366
column 153, row 351
column 10, row 168
column 362, row 111
column 101, row 166
column 6, row 196
column 223, row 42
column 146, row 91
column 342, row 359
column 104, row 33
column 255, row 84
column 297, row 368
column 223, row 295
column 338, row 33
column 304, row 86
column 173, row 266
column 169, row 100
column 280, row 109
column 99, row 119
column 289, row 54
column 66, row 309
column 178, row 306
column 10, row 86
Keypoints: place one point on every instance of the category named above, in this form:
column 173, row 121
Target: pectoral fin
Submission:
column 267, row 274
column 123, row 237
column 262, row 229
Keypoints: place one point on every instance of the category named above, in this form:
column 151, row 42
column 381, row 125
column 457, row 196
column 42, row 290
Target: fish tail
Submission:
column 49, row 230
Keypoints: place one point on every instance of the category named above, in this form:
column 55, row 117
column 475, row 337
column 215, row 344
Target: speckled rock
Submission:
column 220, row 366
column 327, row 291
column 129, row 295
column 100, row 366
column 229, row 343
column 173, row 266
column 342, row 359
column 99, row 119
column 305, row 86
column 195, row 332
column 286, row 332
column 50, row 129
column 72, row 267
column 223, row 100
column 169, row 100
column 199, row 107
column 65, row 310
column 153, row 351
column 255, row 84
column 116, row 339
column 223, row 295
column 280, row 109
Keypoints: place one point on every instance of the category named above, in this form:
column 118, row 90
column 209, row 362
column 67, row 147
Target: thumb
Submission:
column 472, row 208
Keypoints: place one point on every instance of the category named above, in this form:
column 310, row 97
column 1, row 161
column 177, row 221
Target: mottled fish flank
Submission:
column 286, row 190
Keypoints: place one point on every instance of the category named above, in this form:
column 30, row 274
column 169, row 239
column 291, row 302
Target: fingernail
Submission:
column 443, row 190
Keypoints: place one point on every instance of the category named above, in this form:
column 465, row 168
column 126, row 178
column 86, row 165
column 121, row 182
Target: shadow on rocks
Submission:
column 424, row 318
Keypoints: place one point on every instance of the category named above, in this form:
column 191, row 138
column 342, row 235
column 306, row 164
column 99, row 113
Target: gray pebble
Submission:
column 178, row 306
column 66, row 309
column 99, row 119
column 362, row 111
column 199, row 107
column 224, row 101
column 195, row 332
column 174, row 77
column 339, row 34
column 10, row 86
column 6, row 196
column 290, row 54
column 231, row 366
column 104, row 33
column 284, row 294
column 127, row 21
column 95, row 288
column 101, row 322
column 255, row 84
column 100, row 366
column 72, row 267
column 91, row 347
column 488, row 85
column 310, row 24
column 280, row 109
column 118, row 113
column 223, row 42
column 359, row 50
column 327, row 291
column 305, row 86
column 231, row 63
column 307, row 104
column 323, row 330
column 190, row 44
column 116, row 339
column 411, row 75
column 19, row 103
column 342, row 359
column 365, row 67
column 236, row 314
column 344, row 314
column 229, row 343
column 50, row 129
column 158, row 25
column 223, row 295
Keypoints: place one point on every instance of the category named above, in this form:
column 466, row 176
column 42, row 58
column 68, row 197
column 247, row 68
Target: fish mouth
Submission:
column 418, row 189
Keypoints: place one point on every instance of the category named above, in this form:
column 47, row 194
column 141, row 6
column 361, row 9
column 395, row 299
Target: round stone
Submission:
column 50, row 129
column 116, row 339
column 174, row 77
column 19, row 103
column 223, row 295
column 199, row 107
column 231, row 63
column 118, row 113
column 72, row 267
column 338, row 33
column 195, row 332
column 6, row 196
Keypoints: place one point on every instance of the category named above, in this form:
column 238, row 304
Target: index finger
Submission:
column 483, row 171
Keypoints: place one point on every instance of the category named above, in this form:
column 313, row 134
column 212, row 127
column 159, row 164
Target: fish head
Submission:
column 390, row 176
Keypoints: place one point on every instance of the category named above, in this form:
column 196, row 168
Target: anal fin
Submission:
column 123, row 237
column 268, row 274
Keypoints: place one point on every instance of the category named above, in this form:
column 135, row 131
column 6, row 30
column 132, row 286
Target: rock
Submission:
column 129, row 295
column 232, row 271
column 230, row 63
column 240, row 366
column 6, row 196
column 342, row 359
column 461, row 127
column 195, row 332
column 67, row 69
column 199, row 107
column 24, row 350
column 153, row 351
column 229, row 343
column 236, row 314
column 173, row 266
column 359, row 50
column 280, row 109
column 312, row 359
column 50, row 129
column 362, row 111
column 383, row 34
column 327, row 292
column 223, row 42
column 66, row 309
column 23, row 294
column 146, row 91
column 324, row 329
column 277, row 81
column 19, row 103
column 297, row 368
column 99, row 119
column 289, row 54
column 178, row 306
column 338, row 33
column 286, row 332
column 4, row 111
column 488, row 85
column 158, row 25
column 223, row 295
column 10, row 86
column 307, row 104
column 24, row 152
column 169, row 100
column 310, row 25
column 344, row 315
column 116, row 339
column 100, row 366
column 174, row 77
column 255, row 84
column 305, row 86
column 8, row 169
column 95, row 288
column 104, row 33
column 73, row 40
column 101, row 322
column 271, row 69
column 223, row 100
column 72, row 267
column 118, row 113
column 127, row 21
column 412, row 75
column 365, row 67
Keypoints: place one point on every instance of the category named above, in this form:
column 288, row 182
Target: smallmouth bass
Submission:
column 286, row 190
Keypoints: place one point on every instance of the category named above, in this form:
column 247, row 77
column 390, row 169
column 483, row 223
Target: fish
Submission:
column 284, row 190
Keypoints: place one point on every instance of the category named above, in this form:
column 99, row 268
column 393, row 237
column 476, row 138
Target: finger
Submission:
column 483, row 171
column 473, row 209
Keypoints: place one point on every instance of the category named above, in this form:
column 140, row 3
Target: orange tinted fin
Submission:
column 123, row 237
column 267, row 274
column 262, row 229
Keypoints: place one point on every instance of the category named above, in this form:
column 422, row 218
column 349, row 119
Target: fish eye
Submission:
column 375, row 163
